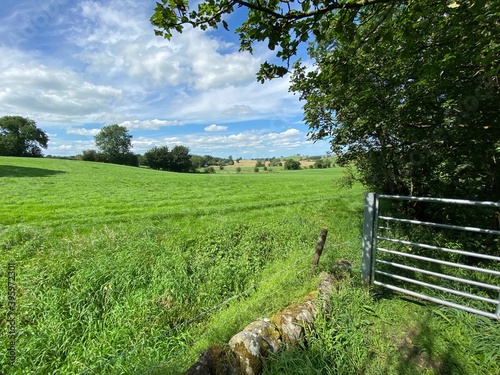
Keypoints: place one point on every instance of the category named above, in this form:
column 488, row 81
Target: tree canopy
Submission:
column 19, row 136
column 158, row 158
column 180, row 159
column 176, row 160
column 284, row 24
column 410, row 95
column 408, row 91
column 115, row 144
column 292, row 165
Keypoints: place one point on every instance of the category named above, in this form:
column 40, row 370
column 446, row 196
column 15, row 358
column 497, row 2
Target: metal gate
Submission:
column 445, row 272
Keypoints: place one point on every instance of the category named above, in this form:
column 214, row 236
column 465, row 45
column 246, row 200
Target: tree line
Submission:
column 20, row 136
column 114, row 143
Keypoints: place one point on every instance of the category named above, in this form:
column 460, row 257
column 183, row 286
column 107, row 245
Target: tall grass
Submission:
column 112, row 260
column 122, row 270
column 375, row 331
column 370, row 332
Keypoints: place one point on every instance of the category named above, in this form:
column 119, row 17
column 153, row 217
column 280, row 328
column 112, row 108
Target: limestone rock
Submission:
column 295, row 321
column 248, row 348
column 213, row 361
column 265, row 329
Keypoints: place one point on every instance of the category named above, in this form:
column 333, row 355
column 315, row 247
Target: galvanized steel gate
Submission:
column 382, row 272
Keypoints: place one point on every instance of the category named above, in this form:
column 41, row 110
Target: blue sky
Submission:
column 75, row 66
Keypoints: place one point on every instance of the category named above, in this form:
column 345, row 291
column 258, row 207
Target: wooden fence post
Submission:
column 319, row 246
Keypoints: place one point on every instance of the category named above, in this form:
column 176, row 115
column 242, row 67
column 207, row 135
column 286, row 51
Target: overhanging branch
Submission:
column 295, row 16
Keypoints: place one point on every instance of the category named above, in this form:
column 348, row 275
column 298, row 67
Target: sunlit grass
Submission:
column 111, row 262
column 111, row 258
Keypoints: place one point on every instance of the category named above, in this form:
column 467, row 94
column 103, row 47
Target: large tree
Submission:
column 176, row 160
column 158, row 158
column 115, row 143
column 409, row 93
column 19, row 136
column 180, row 159
column 406, row 90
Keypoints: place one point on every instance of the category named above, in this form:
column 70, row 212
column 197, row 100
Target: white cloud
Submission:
column 49, row 94
column 214, row 69
column 82, row 131
column 238, row 110
column 143, row 144
column 239, row 103
column 149, row 124
column 215, row 128
column 115, row 42
column 217, row 144
column 102, row 64
column 62, row 147
column 287, row 134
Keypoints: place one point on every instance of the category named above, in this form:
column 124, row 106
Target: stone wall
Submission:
column 247, row 349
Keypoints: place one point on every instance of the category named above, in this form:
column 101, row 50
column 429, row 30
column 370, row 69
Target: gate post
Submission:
column 368, row 234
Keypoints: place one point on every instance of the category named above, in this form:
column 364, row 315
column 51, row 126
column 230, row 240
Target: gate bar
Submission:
column 448, row 226
column 441, row 288
column 441, row 200
column 441, row 275
column 368, row 237
column 443, row 262
column 431, row 247
column 440, row 301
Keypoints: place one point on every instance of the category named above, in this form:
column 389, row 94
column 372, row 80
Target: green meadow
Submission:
column 123, row 270
column 108, row 257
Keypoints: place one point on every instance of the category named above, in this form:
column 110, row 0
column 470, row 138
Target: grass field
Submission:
column 111, row 262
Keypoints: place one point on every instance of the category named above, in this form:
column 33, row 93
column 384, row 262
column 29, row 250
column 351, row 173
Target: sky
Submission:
column 76, row 66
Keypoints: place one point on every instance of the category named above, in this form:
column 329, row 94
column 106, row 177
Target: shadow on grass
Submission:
column 16, row 171
column 422, row 347
column 421, row 351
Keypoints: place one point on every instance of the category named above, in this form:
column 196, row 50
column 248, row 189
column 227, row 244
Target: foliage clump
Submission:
column 114, row 143
column 19, row 136
column 291, row 164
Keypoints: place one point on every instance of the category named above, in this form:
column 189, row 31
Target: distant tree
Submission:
column 180, row 159
column 274, row 162
column 159, row 158
column 115, row 143
column 319, row 164
column 256, row 169
column 197, row 161
column 19, row 136
column 238, row 170
column 291, row 164
column 209, row 160
column 91, row 155
column 259, row 164
column 230, row 160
